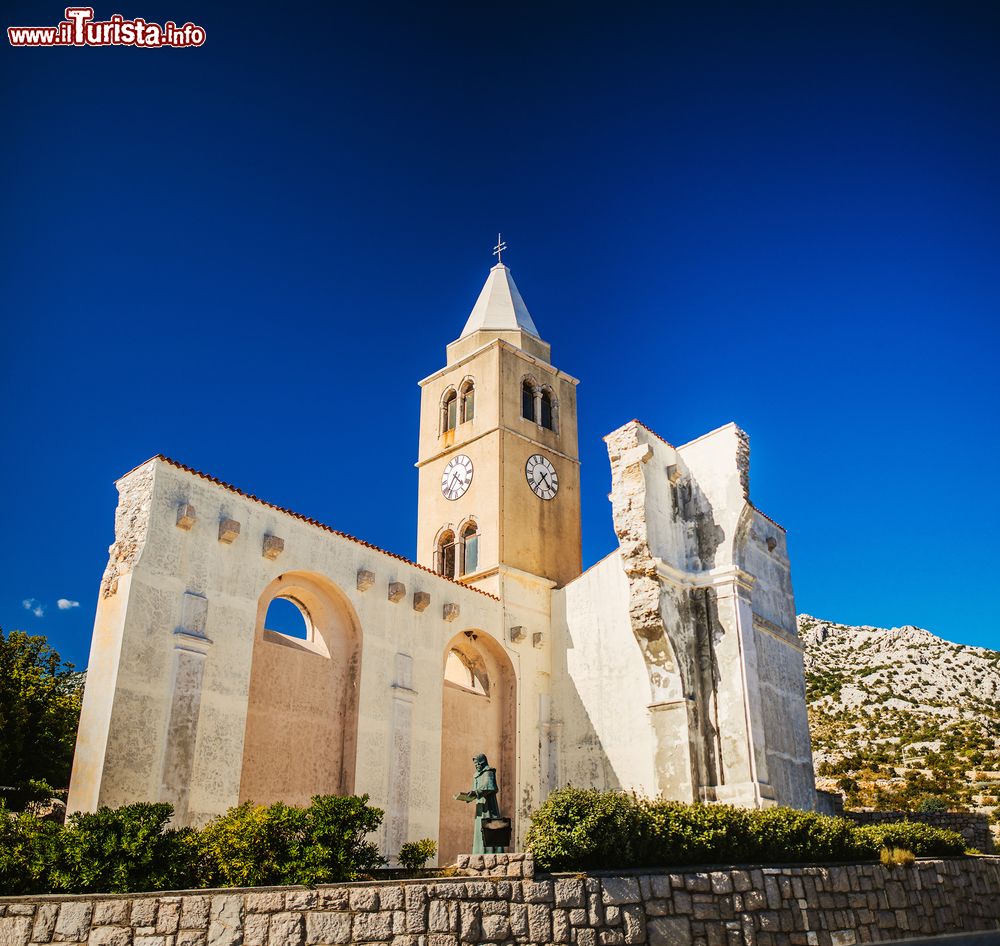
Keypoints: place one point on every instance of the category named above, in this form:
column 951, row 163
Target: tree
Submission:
column 40, row 699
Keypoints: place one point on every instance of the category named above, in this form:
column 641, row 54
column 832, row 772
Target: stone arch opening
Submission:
column 479, row 714
column 302, row 704
column 285, row 615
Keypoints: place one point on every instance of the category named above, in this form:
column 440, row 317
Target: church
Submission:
column 672, row 667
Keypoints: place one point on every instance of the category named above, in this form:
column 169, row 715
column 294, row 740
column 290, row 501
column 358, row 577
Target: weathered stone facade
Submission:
column 682, row 657
column 501, row 901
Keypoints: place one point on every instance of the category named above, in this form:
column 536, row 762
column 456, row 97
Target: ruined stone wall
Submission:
column 711, row 611
column 500, row 900
column 974, row 828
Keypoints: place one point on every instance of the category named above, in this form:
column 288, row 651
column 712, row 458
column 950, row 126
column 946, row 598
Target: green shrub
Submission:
column 122, row 850
column 580, row 829
column 132, row 849
column 789, row 835
column 415, row 854
column 692, row 834
column 923, row 839
column 28, row 848
column 586, row 830
column 932, row 803
column 258, row 846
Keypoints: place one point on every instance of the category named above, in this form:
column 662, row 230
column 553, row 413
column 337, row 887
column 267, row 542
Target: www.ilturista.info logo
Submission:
column 80, row 29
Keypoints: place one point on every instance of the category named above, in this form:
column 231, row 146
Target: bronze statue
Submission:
column 484, row 794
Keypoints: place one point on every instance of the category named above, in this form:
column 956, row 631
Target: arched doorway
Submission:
column 478, row 714
column 302, row 713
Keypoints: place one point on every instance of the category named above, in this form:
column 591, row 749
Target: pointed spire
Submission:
column 499, row 307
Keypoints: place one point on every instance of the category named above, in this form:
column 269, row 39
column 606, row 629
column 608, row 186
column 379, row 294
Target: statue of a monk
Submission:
column 484, row 794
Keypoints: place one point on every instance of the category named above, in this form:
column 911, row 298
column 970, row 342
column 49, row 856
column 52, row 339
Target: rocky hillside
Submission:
column 901, row 718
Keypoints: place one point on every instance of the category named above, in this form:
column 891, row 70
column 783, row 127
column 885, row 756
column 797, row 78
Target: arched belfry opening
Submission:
column 479, row 714
column 302, row 705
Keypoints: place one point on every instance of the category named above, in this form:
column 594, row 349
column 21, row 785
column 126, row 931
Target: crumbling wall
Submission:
column 135, row 498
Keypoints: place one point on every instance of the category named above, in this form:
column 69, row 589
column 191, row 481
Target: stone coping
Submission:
column 769, row 867
column 766, row 869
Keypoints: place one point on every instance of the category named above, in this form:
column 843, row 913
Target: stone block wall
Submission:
column 974, row 828
column 829, row 803
column 502, row 901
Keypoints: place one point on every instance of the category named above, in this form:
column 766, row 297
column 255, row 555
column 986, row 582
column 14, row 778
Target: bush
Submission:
column 786, row 834
column 28, row 848
column 581, row 829
column 690, row 834
column 123, row 850
column 258, row 846
column 132, row 849
column 931, row 804
column 923, row 839
column 586, row 830
column 415, row 854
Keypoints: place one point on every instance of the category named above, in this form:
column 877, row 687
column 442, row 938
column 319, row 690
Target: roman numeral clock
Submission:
column 457, row 477
column 542, row 476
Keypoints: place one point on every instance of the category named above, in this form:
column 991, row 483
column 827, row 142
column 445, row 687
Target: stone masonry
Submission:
column 500, row 900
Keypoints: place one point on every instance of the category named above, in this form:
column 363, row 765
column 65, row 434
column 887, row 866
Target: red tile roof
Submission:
column 306, row 519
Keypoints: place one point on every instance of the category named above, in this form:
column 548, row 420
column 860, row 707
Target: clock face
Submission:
column 457, row 477
column 542, row 476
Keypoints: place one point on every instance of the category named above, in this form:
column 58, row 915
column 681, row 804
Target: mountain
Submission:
column 900, row 717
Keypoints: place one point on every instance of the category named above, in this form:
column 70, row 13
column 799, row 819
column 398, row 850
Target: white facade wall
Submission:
column 600, row 684
column 126, row 745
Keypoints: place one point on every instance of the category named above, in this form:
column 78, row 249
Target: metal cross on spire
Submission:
column 499, row 248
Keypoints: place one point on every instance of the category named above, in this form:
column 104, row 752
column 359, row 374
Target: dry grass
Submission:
column 896, row 857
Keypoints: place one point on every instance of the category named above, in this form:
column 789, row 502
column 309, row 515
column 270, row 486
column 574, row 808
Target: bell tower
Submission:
column 499, row 466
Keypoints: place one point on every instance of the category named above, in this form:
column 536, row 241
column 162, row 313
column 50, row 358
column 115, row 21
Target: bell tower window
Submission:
column 546, row 412
column 444, row 555
column 470, row 548
column 468, row 401
column 527, row 400
column 449, row 411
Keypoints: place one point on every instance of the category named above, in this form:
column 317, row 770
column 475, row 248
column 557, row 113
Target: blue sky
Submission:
column 246, row 255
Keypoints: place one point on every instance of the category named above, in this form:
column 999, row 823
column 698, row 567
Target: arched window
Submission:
column 468, row 671
column 449, row 411
column 470, row 548
column 444, row 555
column 290, row 618
column 546, row 419
column 301, row 724
column 527, row 400
column 468, row 401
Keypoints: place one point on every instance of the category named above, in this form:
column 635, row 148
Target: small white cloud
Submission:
column 34, row 606
column 64, row 604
